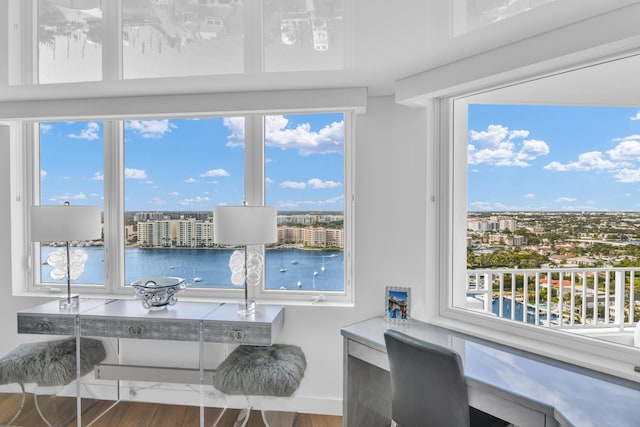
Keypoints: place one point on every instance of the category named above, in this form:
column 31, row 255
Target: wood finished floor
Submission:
column 136, row 414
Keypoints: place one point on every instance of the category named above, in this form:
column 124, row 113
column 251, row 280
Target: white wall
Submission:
column 389, row 250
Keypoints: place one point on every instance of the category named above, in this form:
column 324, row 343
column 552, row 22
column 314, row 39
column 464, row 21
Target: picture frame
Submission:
column 397, row 302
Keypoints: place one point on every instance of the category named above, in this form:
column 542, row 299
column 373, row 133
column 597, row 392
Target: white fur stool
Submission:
column 275, row 370
column 48, row 363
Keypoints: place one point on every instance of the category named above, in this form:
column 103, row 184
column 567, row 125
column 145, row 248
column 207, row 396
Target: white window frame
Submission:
column 449, row 165
column 25, row 141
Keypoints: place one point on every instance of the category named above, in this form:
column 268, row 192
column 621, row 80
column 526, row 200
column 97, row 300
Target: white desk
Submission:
column 522, row 388
column 185, row 321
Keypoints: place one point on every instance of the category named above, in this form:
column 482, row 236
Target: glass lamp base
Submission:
column 246, row 307
column 66, row 303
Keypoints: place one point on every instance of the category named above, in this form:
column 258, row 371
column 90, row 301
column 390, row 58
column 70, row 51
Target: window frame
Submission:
column 449, row 164
column 113, row 134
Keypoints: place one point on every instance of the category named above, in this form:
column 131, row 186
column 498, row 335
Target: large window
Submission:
column 538, row 220
column 158, row 179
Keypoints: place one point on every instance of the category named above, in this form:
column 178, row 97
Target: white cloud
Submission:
column 501, row 147
column 90, row 132
column 329, row 139
column 190, row 180
column 293, row 184
column 636, row 117
column 193, row 201
column 628, row 175
column 236, row 128
column 318, row 184
column 628, row 149
column 66, row 197
column 150, row 128
column 591, row 161
column 45, row 128
column 566, row 199
column 43, row 173
column 532, row 149
column 529, row 196
column 215, row 173
column 98, row 176
column 158, row 201
column 174, row 193
column 313, row 203
column 134, row 173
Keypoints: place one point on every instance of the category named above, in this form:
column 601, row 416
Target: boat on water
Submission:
column 294, row 262
column 283, row 269
column 197, row 279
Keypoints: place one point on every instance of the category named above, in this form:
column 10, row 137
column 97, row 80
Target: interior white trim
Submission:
column 231, row 103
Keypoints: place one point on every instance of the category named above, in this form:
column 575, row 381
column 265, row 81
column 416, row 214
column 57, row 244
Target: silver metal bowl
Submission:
column 158, row 292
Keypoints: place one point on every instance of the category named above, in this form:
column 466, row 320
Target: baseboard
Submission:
column 182, row 394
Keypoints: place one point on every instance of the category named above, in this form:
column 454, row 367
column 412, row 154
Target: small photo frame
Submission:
column 397, row 303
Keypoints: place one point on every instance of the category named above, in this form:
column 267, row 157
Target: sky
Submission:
column 553, row 158
column 196, row 164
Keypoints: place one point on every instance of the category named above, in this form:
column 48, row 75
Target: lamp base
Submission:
column 66, row 303
column 246, row 307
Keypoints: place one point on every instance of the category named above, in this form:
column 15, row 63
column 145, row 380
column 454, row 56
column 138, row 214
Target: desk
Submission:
column 186, row 321
column 520, row 387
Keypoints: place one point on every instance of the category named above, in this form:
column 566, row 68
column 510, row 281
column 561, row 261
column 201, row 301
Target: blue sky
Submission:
column 550, row 158
column 195, row 164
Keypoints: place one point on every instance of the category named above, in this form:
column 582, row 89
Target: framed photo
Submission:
column 397, row 304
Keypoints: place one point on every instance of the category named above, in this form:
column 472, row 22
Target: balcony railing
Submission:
column 560, row 298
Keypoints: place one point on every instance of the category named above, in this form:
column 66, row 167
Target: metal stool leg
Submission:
column 35, row 401
column 264, row 418
column 24, row 395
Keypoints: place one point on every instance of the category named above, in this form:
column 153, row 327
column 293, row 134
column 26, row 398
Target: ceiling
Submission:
column 374, row 44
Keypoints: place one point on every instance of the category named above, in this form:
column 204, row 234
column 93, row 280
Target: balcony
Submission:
column 599, row 302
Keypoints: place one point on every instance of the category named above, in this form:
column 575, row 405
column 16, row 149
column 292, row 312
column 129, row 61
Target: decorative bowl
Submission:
column 158, row 292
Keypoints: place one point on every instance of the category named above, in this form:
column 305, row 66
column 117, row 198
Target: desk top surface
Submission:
column 579, row 397
column 133, row 309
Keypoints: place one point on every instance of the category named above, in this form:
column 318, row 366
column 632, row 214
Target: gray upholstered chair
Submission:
column 428, row 387
column 249, row 370
column 48, row 363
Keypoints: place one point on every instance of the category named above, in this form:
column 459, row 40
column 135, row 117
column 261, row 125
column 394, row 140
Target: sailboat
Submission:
column 196, row 278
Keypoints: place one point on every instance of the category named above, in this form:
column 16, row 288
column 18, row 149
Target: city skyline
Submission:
column 195, row 164
column 553, row 158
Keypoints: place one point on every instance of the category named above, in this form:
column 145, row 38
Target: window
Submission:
column 159, row 181
column 538, row 219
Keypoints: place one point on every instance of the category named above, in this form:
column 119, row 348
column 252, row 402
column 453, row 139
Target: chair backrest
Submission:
column 427, row 383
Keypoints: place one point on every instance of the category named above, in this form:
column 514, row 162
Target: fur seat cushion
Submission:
column 50, row 363
column 261, row 371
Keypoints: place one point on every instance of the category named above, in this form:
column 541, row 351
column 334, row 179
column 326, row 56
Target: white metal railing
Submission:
column 563, row 298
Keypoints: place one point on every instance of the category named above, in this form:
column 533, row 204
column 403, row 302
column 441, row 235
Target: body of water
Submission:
column 285, row 269
column 519, row 308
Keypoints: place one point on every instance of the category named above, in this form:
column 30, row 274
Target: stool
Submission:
column 249, row 370
column 48, row 363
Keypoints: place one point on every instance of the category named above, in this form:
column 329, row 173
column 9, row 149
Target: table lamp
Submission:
column 245, row 225
column 64, row 224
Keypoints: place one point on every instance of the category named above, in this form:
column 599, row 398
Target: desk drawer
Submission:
column 173, row 330
column 46, row 325
column 239, row 333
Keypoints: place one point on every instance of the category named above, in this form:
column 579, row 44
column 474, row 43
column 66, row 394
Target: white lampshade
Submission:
column 245, row 225
column 65, row 223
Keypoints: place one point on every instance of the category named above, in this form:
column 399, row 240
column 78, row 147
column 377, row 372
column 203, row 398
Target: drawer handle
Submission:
column 236, row 335
column 43, row 326
column 136, row 329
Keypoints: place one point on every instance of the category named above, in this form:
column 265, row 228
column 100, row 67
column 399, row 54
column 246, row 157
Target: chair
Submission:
column 48, row 363
column 274, row 370
column 428, row 386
